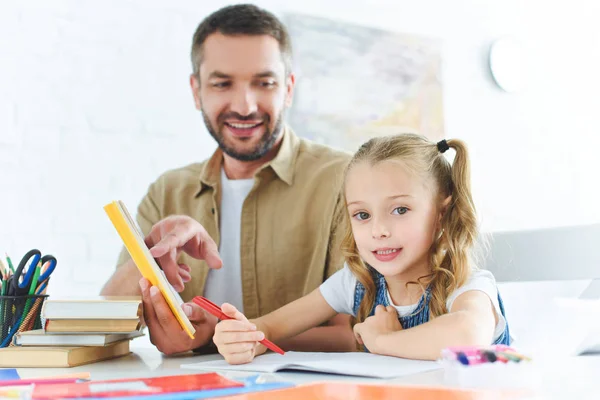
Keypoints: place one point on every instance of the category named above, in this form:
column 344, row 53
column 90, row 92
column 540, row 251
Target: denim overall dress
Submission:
column 421, row 314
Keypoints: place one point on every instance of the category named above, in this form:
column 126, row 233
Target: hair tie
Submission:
column 442, row 146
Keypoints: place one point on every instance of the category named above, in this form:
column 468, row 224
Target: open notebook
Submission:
column 353, row 364
column 135, row 245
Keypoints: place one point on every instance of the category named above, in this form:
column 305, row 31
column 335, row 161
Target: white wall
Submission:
column 95, row 103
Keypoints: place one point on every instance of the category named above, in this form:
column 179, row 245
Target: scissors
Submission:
column 21, row 282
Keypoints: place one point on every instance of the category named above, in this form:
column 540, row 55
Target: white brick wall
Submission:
column 95, row 104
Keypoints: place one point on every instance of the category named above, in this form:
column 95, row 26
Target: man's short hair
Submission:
column 241, row 19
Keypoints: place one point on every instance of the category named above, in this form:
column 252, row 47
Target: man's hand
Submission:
column 165, row 332
column 177, row 233
column 384, row 321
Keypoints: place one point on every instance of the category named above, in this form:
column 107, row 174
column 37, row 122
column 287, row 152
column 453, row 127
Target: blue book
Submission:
column 9, row 374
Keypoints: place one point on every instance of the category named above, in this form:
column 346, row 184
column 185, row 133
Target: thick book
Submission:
column 40, row 338
column 59, row 357
column 352, row 364
column 97, row 307
column 92, row 325
column 136, row 386
column 134, row 243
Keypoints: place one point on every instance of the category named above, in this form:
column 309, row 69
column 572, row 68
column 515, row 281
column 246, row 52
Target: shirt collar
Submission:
column 283, row 164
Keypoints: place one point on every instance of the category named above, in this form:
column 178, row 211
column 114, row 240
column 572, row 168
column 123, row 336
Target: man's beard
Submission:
column 266, row 143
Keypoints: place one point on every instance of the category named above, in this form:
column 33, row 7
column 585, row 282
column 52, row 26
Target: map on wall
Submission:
column 355, row 82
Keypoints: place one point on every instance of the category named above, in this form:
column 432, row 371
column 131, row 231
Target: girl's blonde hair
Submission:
column 450, row 254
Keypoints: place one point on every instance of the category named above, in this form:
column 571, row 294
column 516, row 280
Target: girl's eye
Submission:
column 361, row 216
column 400, row 210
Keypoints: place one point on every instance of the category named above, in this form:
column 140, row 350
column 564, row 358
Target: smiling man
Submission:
column 254, row 225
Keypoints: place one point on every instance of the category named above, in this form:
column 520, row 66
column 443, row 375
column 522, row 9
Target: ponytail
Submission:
column 451, row 255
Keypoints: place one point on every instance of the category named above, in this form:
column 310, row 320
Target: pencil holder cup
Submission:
column 19, row 314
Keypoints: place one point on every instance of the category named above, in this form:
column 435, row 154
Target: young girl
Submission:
column 408, row 280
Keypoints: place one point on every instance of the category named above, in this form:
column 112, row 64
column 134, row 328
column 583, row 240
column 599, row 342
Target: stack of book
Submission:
column 77, row 331
column 102, row 314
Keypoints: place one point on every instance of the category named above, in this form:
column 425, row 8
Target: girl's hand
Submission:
column 384, row 321
column 237, row 339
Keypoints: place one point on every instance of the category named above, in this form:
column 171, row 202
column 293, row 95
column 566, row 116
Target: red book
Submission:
column 135, row 386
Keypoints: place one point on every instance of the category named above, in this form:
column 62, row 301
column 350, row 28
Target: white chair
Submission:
column 533, row 269
column 547, row 254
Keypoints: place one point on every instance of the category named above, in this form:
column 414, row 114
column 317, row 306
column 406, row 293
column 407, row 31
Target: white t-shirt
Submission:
column 339, row 290
column 225, row 285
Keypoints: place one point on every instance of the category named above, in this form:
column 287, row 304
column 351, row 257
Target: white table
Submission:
column 568, row 378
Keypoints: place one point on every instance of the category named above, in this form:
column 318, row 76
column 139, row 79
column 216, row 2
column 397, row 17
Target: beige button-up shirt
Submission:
column 289, row 239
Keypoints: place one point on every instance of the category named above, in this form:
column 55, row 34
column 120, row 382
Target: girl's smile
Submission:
column 386, row 254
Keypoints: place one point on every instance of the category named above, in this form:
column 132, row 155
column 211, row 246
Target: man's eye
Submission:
column 361, row 216
column 220, row 85
column 267, row 84
column 400, row 210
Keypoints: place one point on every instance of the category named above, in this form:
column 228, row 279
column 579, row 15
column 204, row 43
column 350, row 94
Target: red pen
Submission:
column 216, row 311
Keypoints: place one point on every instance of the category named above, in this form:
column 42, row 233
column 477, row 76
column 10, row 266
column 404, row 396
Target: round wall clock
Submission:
column 506, row 61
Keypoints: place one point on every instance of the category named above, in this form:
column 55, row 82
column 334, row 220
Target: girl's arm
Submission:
column 296, row 317
column 471, row 322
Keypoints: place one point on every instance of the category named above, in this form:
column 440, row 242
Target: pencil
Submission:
column 519, row 355
column 10, row 264
column 26, row 315
column 509, row 356
column 41, row 289
column 34, row 280
column 2, row 300
column 3, row 268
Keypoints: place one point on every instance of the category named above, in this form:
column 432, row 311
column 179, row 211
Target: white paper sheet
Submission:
column 560, row 327
column 354, row 364
column 583, row 317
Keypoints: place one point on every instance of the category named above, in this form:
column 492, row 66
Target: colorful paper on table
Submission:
column 136, row 387
column 16, row 381
column 8, row 374
column 44, row 381
column 78, row 375
column 251, row 384
column 23, row 388
column 135, row 245
column 353, row 364
column 16, row 392
column 344, row 391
